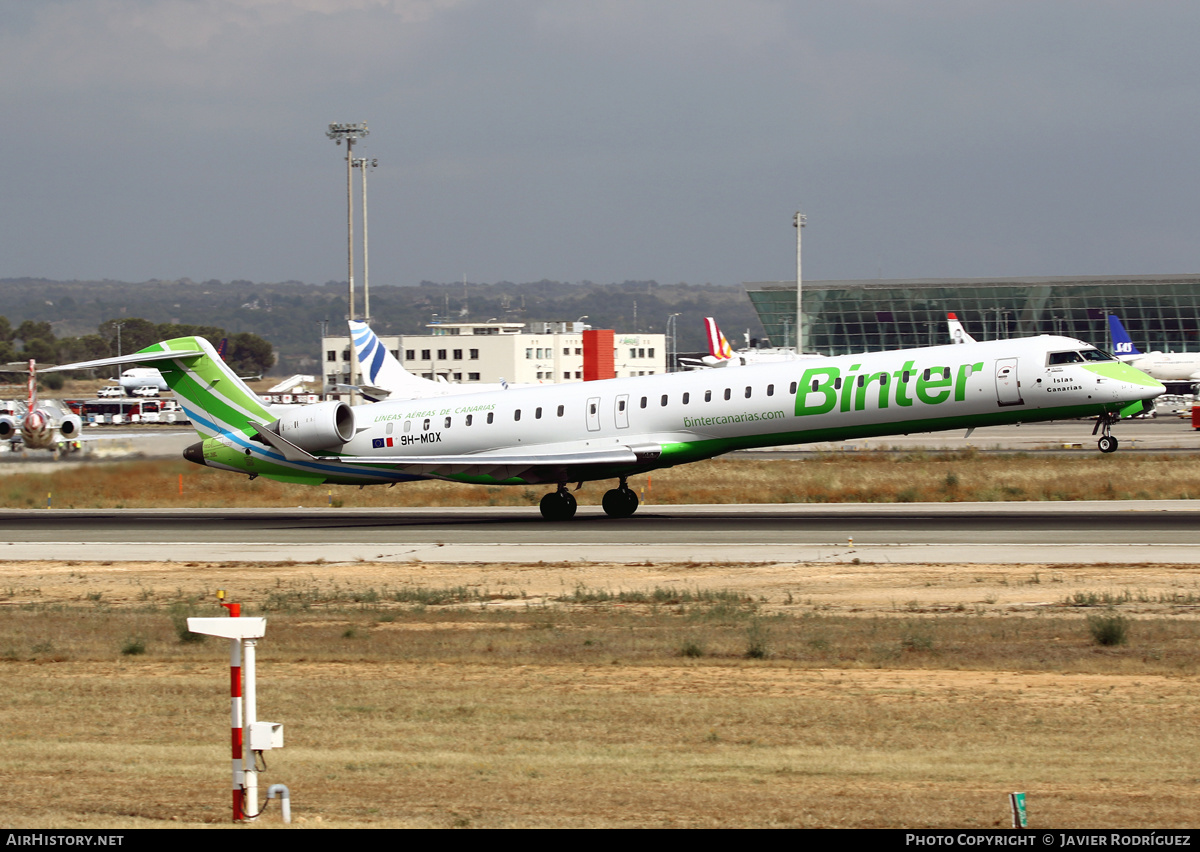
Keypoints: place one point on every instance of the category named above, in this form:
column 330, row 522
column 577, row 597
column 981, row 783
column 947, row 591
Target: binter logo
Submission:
column 825, row 388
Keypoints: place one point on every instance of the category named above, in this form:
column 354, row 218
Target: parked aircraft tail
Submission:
column 958, row 334
column 1121, row 341
column 718, row 346
column 382, row 374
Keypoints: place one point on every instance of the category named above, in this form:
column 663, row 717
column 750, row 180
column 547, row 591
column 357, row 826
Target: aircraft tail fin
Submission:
column 958, row 334
column 1122, row 342
column 381, row 369
column 718, row 346
column 214, row 398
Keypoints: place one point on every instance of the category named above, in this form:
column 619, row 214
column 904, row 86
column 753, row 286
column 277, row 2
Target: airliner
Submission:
column 616, row 428
column 1164, row 366
column 47, row 425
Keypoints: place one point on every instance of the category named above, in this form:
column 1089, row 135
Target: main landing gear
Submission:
column 620, row 502
column 558, row 505
column 1107, row 443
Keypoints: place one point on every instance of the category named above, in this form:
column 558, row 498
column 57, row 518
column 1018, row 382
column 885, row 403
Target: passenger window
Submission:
column 686, row 398
column 560, row 411
column 621, row 405
column 407, row 425
column 728, row 393
column 537, row 414
column 862, row 380
column 792, row 389
column 643, row 402
column 664, row 400
column 708, row 396
column 447, row 426
column 470, row 417
column 770, row 390
column 747, row 391
column 883, row 379
column 517, row 414
column 388, row 430
column 491, row 416
column 592, row 408
column 425, row 428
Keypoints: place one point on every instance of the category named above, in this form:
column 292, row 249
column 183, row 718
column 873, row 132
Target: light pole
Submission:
column 364, row 164
column 672, row 347
column 798, row 221
column 351, row 133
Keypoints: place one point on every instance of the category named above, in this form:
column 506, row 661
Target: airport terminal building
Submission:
column 1161, row 312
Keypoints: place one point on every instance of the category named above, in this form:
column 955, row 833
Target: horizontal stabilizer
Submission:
column 136, row 358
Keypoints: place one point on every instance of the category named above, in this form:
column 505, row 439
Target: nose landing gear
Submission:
column 1107, row 443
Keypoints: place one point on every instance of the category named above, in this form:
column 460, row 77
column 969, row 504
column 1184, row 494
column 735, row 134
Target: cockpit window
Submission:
column 1077, row 357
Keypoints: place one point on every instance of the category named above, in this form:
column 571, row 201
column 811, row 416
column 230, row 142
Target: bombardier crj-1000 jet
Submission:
column 615, row 428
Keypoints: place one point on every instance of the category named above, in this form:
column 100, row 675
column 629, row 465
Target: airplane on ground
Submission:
column 46, row 425
column 958, row 334
column 721, row 354
column 136, row 378
column 1164, row 366
column 384, row 377
column 616, row 428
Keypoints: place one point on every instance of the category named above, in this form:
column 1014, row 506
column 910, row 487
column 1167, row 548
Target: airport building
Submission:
column 1161, row 312
column 488, row 352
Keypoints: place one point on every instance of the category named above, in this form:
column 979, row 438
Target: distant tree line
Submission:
column 247, row 354
column 290, row 315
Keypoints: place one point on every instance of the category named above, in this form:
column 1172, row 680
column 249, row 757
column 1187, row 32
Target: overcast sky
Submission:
column 601, row 140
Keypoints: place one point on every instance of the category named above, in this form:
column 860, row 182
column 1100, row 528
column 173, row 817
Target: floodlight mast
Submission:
column 798, row 221
column 364, row 164
column 351, row 132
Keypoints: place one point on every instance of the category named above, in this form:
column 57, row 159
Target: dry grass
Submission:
column 455, row 706
column 824, row 478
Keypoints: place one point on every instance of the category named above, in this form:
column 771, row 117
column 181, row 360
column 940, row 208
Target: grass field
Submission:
column 824, row 478
column 561, row 696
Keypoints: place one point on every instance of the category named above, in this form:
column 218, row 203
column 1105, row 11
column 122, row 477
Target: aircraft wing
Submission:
column 546, row 466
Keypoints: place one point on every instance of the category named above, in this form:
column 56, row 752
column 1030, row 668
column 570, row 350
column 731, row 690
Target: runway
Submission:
column 936, row 533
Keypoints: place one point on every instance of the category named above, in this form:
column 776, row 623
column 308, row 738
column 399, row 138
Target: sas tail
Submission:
column 1121, row 341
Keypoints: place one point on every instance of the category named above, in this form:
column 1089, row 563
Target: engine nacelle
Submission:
column 320, row 426
column 70, row 427
column 8, row 427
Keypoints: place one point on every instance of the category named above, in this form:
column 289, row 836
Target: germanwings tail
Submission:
column 718, row 346
column 958, row 334
column 382, row 374
column 214, row 398
column 1122, row 342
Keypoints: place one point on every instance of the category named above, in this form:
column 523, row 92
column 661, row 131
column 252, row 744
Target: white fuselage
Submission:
column 1004, row 381
column 1167, row 366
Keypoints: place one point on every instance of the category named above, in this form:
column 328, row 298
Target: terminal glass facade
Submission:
column 840, row 317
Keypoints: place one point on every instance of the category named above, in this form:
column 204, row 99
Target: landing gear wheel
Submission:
column 620, row 502
column 1107, row 444
column 558, row 506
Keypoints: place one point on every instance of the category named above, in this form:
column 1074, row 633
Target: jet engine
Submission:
column 316, row 427
column 70, row 427
column 8, row 427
